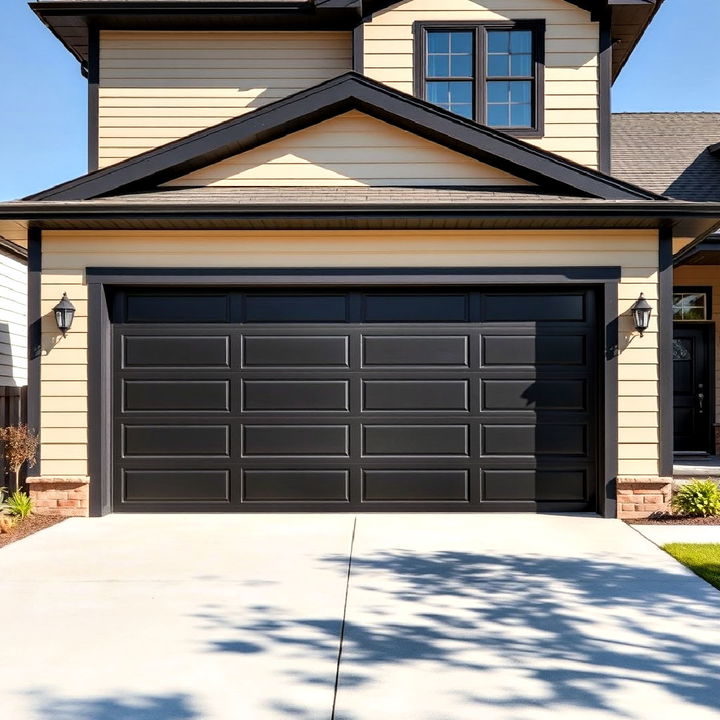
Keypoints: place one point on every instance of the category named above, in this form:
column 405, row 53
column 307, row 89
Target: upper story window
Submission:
column 489, row 72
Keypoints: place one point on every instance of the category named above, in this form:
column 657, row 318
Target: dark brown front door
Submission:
column 692, row 391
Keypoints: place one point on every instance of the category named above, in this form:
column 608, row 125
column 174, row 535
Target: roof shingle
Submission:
column 668, row 153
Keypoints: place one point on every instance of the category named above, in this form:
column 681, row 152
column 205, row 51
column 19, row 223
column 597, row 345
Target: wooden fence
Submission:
column 13, row 411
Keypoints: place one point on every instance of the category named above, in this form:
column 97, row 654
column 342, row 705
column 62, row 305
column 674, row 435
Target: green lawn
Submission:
column 703, row 560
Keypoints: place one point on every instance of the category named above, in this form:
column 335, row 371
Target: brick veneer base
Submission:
column 640, row 497
column 64, row 496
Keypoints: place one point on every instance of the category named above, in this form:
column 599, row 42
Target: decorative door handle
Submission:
column 701, row 400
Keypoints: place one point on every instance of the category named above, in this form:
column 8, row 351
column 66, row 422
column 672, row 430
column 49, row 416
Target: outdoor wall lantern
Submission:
column 641, row 312
column 64, row 314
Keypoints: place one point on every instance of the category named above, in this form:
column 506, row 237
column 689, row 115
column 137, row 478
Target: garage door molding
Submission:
column 603, row 279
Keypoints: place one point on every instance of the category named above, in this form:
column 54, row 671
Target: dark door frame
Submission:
column 709, row 326
column 603, row 279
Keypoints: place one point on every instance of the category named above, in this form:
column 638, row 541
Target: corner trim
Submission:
column 93, row 78
column 665, row 337
column 34, row 335
column 605, row 96
column 99, row 401
column 358, row 45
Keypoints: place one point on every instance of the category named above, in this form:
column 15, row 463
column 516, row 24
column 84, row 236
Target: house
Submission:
column 342, row 255
column 678, row 155
column 13, row 316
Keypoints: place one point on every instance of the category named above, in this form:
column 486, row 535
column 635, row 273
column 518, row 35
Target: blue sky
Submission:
column 43, row 128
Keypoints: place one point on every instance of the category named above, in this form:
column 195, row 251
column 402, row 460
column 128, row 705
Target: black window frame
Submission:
column 480, row 78
column 705, row 290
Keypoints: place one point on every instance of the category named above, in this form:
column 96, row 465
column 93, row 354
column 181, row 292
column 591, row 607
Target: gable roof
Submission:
column 71, row 20
column 329, row 99
column 668, row 153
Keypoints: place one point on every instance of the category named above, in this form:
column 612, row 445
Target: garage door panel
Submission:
column 380, row 351
column 416, row 308
column 295, row 395
column 440, row 439
column 277, row 485
column 389, row 485
column 316, row 351
column 534, row 350
column 176, row 440
column 296, row 440
column 376, row 400
column 182, row 396
column 291, row 308
column 541, row 439
column 193, row 351
column 538, row 485
column 416, row 395
column 176, row 485
column 534, row 394
column 533, row 307
column 177, row 308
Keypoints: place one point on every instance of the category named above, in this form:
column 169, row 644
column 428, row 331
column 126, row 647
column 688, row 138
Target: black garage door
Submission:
column 417, row 400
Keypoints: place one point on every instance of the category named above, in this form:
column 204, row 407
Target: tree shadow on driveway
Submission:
column 130, row 707
column 580, row 631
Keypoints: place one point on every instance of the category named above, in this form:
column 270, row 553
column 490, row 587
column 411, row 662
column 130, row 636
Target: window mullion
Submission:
column 480, row 77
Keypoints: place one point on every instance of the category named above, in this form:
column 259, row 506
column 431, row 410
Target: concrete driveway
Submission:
column 433, row 617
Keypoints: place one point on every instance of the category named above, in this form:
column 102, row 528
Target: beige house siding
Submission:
column 159, row 86
column 13, row 321
column 67, row 253
column 571, row 60
column 707, row 276
column 351, row 149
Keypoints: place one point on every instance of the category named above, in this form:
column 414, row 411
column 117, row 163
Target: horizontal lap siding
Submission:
column 67, row 253
column 13, row 322
column 352, row 149
column 159, row 86
column 571, row 67
column 707, row 276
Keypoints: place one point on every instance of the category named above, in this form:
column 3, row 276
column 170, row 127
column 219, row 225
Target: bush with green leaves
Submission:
column 19, row 505
column 699, row 498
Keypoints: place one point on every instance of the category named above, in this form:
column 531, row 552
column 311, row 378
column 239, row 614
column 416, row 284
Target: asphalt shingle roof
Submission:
column 668, row 153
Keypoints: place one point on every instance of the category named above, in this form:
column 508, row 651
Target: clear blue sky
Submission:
column 43, row 110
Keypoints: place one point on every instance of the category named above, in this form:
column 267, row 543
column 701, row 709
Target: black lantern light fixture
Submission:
column 641, row 312
column 64, row 314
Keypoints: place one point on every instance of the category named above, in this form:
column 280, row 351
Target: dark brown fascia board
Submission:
column 339, row 95
column 11, row 248
column 696, row 220
column 69, row 21
column 661, row 210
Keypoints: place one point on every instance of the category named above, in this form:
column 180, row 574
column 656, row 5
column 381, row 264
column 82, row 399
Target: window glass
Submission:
column 450, row 54
column 509, row 103
column 460, row 76
column 454, row 96
column 509, row 55
column 689, row 306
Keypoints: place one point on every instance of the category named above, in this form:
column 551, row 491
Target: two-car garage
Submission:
column 355, row 399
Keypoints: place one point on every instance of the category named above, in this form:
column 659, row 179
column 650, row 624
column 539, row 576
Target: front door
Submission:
column 692, row 396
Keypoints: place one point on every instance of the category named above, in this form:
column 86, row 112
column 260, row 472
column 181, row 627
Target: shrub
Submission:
column 19, row 505
column 19, row 447
column 700, row 498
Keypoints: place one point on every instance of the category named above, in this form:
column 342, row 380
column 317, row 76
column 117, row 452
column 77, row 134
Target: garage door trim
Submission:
column 605, row 279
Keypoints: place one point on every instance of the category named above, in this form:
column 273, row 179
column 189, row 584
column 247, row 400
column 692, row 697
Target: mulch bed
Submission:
column 29, row 526
column 676, row 520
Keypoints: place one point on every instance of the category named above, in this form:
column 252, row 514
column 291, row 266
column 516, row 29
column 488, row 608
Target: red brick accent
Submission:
column 65, row 496
column 640, row 497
